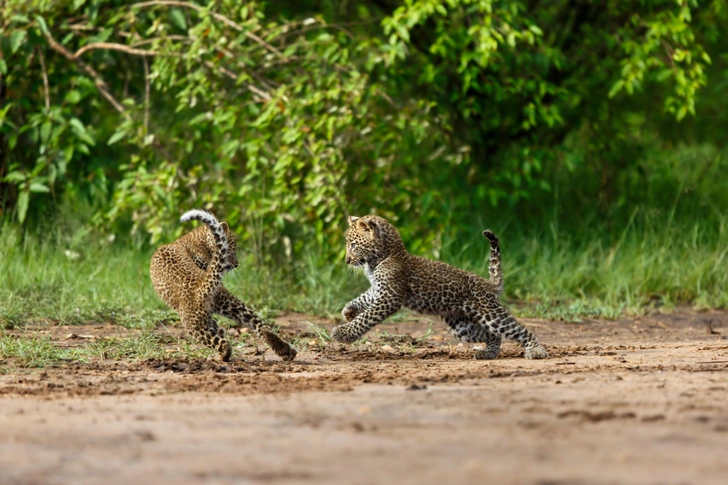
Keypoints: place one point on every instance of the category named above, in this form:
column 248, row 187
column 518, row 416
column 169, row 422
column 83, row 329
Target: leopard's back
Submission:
column 438, row 288
column 175, row 275
column 180, row 268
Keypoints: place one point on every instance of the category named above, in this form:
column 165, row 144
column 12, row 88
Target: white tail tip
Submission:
column 198, row 215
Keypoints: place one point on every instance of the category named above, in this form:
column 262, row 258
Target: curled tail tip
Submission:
column 197, row 214
column 490, row 235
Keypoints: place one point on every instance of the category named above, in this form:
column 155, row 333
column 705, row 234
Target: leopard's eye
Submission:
column 352, row 245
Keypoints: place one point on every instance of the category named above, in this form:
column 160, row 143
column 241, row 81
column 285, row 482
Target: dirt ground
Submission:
column 639, row 401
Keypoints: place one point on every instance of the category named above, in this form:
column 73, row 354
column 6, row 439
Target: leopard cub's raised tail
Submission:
column 494, row 267
column 216, row 267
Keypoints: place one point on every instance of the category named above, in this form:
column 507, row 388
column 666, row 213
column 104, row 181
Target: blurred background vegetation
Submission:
column 590, row 135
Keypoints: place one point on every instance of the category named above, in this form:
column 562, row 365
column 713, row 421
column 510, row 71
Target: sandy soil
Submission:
column 639, row 401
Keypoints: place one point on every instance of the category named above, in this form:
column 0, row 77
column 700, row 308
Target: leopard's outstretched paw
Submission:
column 537, row 352
column 485, row 354
column 281, row 348
column 343, row 334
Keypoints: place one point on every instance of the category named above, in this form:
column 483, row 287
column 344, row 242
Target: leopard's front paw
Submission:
column 536, row 352
column 344, row 334
column 485, row 354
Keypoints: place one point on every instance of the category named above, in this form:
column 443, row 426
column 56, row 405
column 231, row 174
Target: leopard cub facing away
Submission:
column 468, row 303
column 187, row 276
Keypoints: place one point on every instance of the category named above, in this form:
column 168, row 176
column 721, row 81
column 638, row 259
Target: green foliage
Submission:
column 285, row 117
column 522, row 81
column 173, row 105
column 564, row 262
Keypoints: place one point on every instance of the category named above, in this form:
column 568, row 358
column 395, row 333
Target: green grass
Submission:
column 655, row 260
column 553, row 274
column 647, row 264
column 663, row 242
column 37, row 352
column 67, row 284
column 42, row 351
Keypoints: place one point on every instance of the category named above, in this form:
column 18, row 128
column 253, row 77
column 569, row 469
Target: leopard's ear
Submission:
column 225, row 226
column 368, row 227
column 352, row 220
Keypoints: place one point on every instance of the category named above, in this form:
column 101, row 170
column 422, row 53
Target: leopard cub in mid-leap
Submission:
column 187, row 275
column 468, row 303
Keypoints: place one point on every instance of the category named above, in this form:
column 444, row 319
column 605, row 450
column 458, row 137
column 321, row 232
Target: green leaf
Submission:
column 681, row 112
column 178, row 18
column 615, row 88
column 19, row 18
column 45, row 131
column 22, row 206
column 3, row 66
column 73, row 96
column 16, row 39
column 4, row 112
column 42, row 23
column 116, row 137
column 15, row 176
column 39, row 187
column 68, row 154
column 81, row 131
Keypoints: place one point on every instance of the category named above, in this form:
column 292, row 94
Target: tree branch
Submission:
column 98, row 80
column 115, row 47
column 167, row 37
column 234, row 76
column 46, row 89
column 669, row 52
column 146, row 94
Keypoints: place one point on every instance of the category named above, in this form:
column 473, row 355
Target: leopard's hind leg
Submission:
column 490, row 314
column 227, row 305
column 468, row 331
column 205, row 330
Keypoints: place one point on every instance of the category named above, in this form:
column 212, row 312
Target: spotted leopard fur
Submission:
column 187, row 276
column 468, row 303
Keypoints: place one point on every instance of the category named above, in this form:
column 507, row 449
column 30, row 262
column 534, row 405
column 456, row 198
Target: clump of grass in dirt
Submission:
column 320, row 332
column 143, row 347
column 38, row 351
column 44, row 351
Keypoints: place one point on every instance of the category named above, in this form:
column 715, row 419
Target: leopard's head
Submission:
column 370, row 240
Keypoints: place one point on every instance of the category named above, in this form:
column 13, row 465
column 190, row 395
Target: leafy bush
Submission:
column 283, row 117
